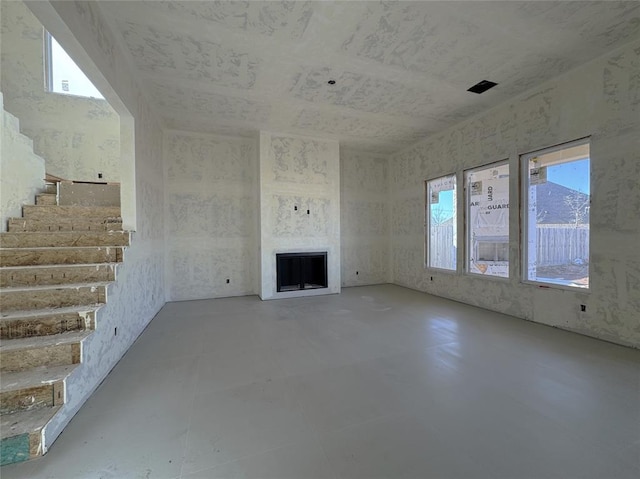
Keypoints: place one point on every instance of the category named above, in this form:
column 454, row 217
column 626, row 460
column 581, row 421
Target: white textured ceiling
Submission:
column 401, row 68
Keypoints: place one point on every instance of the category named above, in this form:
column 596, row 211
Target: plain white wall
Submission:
column 364, row 213
column 600, row 99
column 211, row 196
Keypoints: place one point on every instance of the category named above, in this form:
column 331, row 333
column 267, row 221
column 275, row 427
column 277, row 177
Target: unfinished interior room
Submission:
column 320, row 239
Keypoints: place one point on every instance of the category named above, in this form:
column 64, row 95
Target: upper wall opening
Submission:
column 62, row 75
column 78, row 136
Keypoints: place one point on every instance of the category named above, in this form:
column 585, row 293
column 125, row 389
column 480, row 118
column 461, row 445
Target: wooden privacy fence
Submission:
column 562, row 244
column 442, row 247
column 557, row 244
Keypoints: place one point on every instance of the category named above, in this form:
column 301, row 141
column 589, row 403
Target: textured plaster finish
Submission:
column 364, row 93
column 139, row 291
column 164, row 52
column 302, row 173
column 601, row 100
column 77, row 137
column 364, row 217
column 359, row 129
column 202, row 104
column 285, row 20
column 401, row 68
column 211, row 202
column 21, row 170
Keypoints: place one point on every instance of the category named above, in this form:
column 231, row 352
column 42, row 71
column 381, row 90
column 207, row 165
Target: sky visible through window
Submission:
column 574, row 175
column 66, row 76
column 445, row 207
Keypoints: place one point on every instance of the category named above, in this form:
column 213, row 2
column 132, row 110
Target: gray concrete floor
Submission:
column 377, row 382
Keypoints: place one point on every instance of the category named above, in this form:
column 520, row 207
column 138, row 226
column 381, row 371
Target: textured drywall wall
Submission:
column 139, row 292
column 211, row 200
column 298, row 174
column 364, row 218
column 21, row 170
column 77, row 137
column 600, row 99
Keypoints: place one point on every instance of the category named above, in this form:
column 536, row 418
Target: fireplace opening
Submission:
column 296, row 271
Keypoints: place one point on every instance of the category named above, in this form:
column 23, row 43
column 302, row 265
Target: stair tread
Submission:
column 65, row 233
column 73, row 210
column 7, row 345
column 39, row 248
column 54, row 239
column 35, row 313
column 77, row 207
column 38, row 376
column 26, row 422
column 96, row 284
column 53, row 266
column 106, row 219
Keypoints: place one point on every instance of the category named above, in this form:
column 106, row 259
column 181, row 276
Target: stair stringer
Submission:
column 103, row 349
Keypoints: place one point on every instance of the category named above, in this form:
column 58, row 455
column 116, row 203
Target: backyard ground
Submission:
column 577, row 274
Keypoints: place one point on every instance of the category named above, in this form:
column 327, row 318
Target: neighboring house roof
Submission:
column 557, row 204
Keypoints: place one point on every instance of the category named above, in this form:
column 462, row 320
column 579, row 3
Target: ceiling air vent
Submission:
column 482, row 86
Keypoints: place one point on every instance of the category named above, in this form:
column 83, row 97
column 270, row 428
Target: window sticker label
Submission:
column 488, row 221
column 538, row 176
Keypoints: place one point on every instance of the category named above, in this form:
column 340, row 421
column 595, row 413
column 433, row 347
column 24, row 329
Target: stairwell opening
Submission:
column 87, row 139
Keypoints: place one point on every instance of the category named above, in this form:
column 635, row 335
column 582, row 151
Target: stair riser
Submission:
column 52, row 298
column 60, row 256
column 21, row 360
column 57, row 239
column 46, row 325
column 51, row 213
column 47, row 395
column 56, row 275
column 46, row 200
column 21, row 225
column 50, row 189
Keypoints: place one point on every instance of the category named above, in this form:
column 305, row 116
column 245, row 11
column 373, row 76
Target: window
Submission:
column 556, row 220
column 62, row 74
column 487, row 197
column 441, row 222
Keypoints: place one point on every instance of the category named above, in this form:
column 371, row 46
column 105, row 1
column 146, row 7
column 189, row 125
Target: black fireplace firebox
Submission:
column 296, row 271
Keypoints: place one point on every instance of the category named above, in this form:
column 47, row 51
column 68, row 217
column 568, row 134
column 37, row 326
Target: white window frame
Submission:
column 524, row 178
column 467, row 218
column 427, row 232
column 48, row 72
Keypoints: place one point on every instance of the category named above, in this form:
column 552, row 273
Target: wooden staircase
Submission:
column 56, row 263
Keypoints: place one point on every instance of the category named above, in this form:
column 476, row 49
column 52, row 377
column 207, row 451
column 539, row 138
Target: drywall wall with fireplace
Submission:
column 139, row 291
column 600, row 99
column 77, row 137
column 364, row 218
column 211, row 197
column 299, row 206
